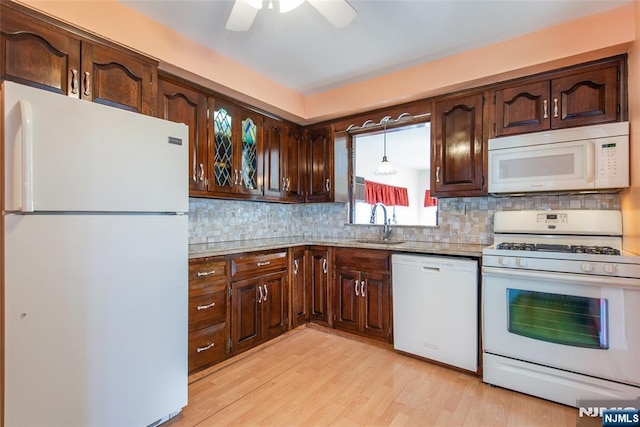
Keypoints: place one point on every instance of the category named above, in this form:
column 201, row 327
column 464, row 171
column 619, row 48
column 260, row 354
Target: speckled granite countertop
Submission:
column 226, row 248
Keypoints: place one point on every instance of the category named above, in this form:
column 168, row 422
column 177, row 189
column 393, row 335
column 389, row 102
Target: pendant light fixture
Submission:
column 385, row 167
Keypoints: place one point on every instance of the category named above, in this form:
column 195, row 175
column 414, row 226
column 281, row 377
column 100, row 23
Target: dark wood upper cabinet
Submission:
column 275, row 182
column 182, row 104
column 458, row 165
column 235, row 153
column 319, row 167
column 283, row 153
column 43, row 55
column 38, row 54
column 118, row 79
column 586, row 96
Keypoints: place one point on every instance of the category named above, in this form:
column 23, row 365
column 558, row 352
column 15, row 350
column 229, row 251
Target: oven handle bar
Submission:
column 581, row 279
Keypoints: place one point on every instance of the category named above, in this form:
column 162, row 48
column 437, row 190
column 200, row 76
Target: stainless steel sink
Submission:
column 379, row 241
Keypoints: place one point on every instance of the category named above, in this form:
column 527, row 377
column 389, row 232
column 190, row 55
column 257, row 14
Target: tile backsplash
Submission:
column 460, row 220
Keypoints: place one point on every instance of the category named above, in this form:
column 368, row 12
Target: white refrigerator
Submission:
column 94, row 263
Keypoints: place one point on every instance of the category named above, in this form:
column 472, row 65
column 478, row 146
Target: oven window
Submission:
column 562, row 319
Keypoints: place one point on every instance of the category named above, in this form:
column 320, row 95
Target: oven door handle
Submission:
column 575, row 279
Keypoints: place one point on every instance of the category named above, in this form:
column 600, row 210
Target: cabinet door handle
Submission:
column 284, row 184
column 295, row 266
column 555, row 107
column 205, row 273
column 324, row 265
column 74, row 81
column 262, row 264
column 288, row 184
column 355, row 282
column 201, row 172
column 438, row 174
column 545, row 107
column 206, row 347
column 362, row 288
column 260, row 290
column 327, row 185
column 87, row 83
column 204, row 307
column 266, row 292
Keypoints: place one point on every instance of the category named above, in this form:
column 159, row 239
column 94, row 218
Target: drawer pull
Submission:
column 205, row 348
column 204, row 307
column 262, row 264
column 206, row 273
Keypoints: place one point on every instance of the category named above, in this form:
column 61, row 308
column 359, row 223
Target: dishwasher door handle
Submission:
column 430, row 269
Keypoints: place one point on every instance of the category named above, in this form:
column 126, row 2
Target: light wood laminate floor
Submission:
column 311, row 377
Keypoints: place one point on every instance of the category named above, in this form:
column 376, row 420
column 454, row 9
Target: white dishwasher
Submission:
column 435, row 308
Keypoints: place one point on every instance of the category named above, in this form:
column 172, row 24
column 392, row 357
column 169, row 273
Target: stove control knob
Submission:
column 586, row 267
column 503, row 261
column 521, row 262
column 610, row 268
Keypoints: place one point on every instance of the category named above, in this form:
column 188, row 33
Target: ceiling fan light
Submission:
column 385, row 168
column 242, row 15
column 289, row 5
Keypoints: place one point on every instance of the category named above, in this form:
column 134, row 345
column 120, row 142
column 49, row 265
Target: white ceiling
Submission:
column 303, row 51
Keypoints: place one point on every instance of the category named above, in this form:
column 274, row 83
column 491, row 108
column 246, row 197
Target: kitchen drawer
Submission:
column 203, row 271
column 207, row 346
column 258, row 264
column 207, row 306
column 363, row 259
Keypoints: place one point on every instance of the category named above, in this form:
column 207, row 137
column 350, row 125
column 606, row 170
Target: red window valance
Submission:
column 428, row 200
column 387, row 194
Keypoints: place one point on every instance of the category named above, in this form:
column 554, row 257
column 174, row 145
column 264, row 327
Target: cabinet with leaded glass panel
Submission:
column 235, row 151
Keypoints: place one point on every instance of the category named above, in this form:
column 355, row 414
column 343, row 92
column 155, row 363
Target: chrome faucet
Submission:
column 386, row 228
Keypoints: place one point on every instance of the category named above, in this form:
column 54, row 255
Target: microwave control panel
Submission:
column 611, row 162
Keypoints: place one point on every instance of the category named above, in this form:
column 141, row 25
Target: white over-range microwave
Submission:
column 580, row 159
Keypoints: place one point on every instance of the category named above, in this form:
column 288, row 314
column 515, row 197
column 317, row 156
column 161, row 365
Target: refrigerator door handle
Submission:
column 27, row 156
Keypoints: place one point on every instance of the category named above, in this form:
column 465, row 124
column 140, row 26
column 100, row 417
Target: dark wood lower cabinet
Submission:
column 259, row 303
column 319, row 271
column 363, row 293
column 300, row 287
column 246, row 316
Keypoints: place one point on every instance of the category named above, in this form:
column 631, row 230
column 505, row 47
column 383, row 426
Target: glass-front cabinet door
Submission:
column 221, row 158
column 236, row 151
column 251, row 155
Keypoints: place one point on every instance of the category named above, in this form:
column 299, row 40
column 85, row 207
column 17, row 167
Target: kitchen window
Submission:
column 408, row 150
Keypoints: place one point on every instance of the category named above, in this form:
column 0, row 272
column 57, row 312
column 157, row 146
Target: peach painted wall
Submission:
column 581, row 40
column 630, row 199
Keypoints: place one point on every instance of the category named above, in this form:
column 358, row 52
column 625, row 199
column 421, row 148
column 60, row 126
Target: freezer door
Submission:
column 95, row 319
column 64, row 154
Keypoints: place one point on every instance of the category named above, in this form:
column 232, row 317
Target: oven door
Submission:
column 580, row 323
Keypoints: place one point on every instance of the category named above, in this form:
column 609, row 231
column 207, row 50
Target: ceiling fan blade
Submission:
column 241, row 16
column 338, row 12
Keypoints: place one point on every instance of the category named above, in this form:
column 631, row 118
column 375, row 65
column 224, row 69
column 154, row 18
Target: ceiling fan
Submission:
column 338, row 12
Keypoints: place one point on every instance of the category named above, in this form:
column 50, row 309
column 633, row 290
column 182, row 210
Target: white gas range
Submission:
column 561, row 306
